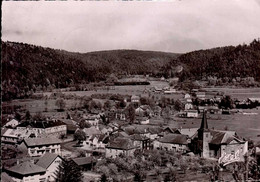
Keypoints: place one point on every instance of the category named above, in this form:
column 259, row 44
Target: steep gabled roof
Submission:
column 47, row 159
column 204, row 122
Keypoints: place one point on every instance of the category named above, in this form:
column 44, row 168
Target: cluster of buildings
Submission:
column 42, row 140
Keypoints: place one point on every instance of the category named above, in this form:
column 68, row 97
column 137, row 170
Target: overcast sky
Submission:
column 177, row 26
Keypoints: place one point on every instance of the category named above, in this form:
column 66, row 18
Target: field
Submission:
column 246, row 125
column 239, row 93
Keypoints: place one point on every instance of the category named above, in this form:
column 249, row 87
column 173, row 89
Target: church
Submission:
column 210, row 143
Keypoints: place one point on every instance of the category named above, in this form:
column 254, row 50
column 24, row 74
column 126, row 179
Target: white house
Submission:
column 175, row 142
column 188, row 106
column 27, row 172
column 120, row 146
column 170, row 91
column 50, row 162
column 192, row 113
column 39, row 146
column 201, row 95
column 95, row 141
column 135, row 99
column 13, row 123
column 187, row 96
column 14, row 136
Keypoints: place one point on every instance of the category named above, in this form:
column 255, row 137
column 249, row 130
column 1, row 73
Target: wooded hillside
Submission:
column 25, row 67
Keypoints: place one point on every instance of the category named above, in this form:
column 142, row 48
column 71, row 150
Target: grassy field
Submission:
column 246, row 125
column 239, row 93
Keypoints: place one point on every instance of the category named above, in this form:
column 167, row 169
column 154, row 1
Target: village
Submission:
column 161, row 133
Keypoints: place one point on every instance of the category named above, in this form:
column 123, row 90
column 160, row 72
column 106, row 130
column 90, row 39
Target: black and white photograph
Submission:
column 130, row 91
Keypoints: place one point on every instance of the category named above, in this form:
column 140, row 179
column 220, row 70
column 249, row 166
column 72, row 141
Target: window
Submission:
column 207, row 135
column 52, row 150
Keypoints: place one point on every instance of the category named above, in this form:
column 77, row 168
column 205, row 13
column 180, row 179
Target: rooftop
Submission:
column 46, row 160
column 174, row 139
column 26, row 168
column 121, row 143
column 31, row 142
column 83, row 160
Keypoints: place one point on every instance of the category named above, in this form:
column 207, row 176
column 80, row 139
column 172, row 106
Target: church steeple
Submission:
column 204, row 122
column 203, row 126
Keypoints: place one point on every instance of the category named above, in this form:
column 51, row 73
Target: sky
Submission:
column 170, row 26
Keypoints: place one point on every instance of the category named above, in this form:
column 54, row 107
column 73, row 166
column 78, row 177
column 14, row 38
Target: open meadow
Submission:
column 239, row 93
column 246, row 123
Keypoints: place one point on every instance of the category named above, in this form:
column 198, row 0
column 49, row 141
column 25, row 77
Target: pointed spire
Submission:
column 204, row 122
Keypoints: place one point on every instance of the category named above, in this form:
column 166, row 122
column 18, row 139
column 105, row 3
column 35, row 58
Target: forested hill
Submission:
column 25, row 67
column 224, row 62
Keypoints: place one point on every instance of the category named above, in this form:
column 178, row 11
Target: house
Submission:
column 201, row 95
column 50, row 162
column 188, row 106
column 153, row 133
column 13, row 123
column 169, row 130
column 213, row 110
column 135, row 99
column 142, row 142
column 14, row 136
column 210, row 143
column 85, row 163
column 71, row 125
column 91, row 131
column 55, row 128
column 96, row 141
column 175, row 142
column 120, row 115
column 93, row 120
column 145, row 121
column 192, row 113
column 105, row 129
column 143, row 110
column 121, row 146
column 190, row 132
column 27, row 172
column 170, row 91
column 39, row 146
column 187, row 96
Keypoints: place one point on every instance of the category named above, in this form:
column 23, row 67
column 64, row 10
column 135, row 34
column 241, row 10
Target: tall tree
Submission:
column 79, row 135
column 68, row 171
column 60, row 103
column 131, row 113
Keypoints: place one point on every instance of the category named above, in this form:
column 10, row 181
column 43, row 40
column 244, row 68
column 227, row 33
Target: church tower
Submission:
column 204, row 136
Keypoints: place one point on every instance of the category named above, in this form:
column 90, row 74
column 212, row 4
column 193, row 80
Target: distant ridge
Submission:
column 25, row 66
